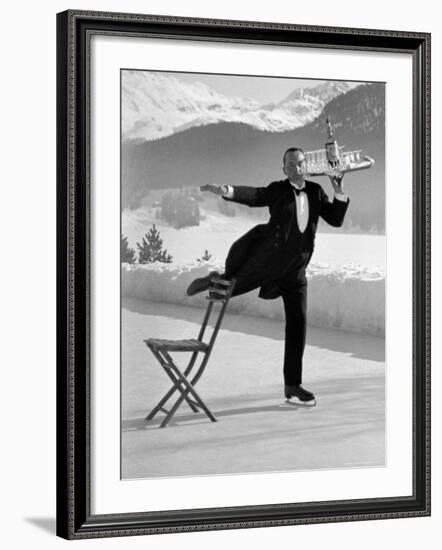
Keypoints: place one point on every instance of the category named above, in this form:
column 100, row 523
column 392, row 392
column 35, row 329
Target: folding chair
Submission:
column 183, row 381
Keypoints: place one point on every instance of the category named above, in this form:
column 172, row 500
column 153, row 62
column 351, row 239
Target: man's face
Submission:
column 294, row 166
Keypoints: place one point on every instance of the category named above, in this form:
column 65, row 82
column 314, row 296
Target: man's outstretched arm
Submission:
column 250, row 196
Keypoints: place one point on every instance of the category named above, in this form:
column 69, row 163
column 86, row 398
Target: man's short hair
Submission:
column 291, row 150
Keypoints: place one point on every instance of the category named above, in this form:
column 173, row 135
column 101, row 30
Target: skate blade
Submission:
column 294, row 402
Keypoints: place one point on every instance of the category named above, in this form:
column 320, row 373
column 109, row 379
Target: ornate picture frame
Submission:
column 76, row 517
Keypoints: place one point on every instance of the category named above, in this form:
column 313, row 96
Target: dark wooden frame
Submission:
column 74, row 519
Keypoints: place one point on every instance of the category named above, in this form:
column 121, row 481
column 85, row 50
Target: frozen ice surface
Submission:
column 243, row 387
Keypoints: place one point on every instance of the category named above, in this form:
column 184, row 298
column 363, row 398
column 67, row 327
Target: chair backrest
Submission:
column 220, row 291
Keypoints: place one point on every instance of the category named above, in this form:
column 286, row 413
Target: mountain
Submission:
column 157, row 105
column 238, row 154
column 320, row 94
column 360, row 111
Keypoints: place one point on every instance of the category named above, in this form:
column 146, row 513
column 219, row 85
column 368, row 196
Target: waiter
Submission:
column 274, row 256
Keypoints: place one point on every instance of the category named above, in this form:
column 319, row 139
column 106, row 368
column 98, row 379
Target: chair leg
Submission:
column 189, row 389
column 164, row 400
column 160, row 405
column 182, row 385
column 178, row 403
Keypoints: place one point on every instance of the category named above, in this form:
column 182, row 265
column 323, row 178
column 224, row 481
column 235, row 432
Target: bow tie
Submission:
column 296, row 190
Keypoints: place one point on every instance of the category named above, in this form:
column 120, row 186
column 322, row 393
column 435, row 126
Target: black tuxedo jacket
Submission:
column 278, row 242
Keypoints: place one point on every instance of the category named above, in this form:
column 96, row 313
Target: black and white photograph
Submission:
column 253, row 274
column 222, row 265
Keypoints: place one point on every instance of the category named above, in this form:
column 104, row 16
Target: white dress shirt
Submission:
column 302, row 208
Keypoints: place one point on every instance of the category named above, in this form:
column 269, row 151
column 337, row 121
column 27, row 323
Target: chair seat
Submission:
column 177, row 345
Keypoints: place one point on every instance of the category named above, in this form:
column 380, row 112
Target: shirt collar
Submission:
column 296, row 187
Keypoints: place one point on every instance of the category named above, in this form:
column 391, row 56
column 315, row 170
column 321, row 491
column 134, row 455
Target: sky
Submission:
column 262, row 89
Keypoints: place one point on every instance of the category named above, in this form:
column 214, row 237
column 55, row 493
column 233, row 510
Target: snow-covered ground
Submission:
column 243, row 384
column 346, row 277
column 256, row 431
column 217, row 232
column 347, row 298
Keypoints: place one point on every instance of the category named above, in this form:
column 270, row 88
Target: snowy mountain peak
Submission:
column 323, row 92
column 156, row 105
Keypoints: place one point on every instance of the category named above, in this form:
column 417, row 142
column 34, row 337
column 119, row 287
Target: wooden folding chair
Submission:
column 183, row 381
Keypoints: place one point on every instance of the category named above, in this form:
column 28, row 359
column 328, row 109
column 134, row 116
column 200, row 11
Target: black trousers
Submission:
column 295, row 306
column 291, row 281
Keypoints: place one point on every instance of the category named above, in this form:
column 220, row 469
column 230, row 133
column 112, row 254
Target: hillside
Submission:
column 237, row 154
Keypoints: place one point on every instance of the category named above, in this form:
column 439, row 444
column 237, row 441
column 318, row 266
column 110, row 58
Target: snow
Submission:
column 217, row 232
column 349, row 298
column 346, row 276
column 256, row 431
column 156, row 105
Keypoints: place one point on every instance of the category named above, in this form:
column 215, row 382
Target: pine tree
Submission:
column 205, row 257
column 127, row 254
column 151, row 248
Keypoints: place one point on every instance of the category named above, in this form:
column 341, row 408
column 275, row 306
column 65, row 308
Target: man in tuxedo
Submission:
column 274, row 256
